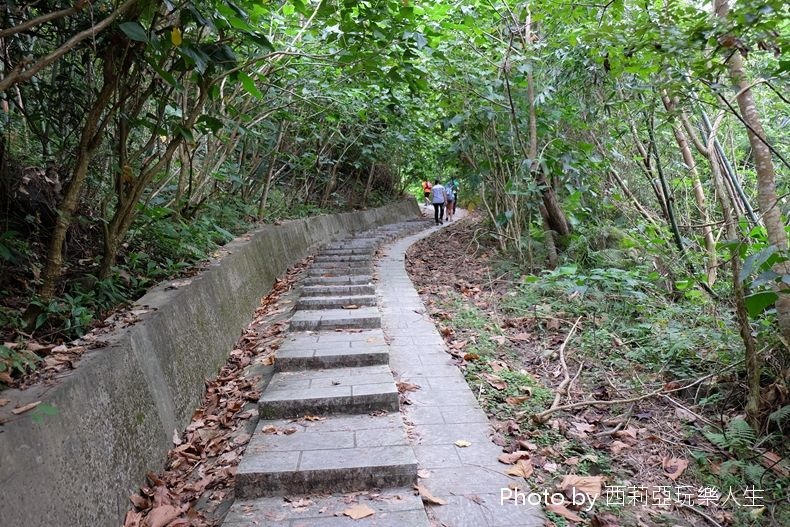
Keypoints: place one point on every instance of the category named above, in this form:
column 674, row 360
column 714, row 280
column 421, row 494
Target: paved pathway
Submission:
column 331, row 436
column 444, row 410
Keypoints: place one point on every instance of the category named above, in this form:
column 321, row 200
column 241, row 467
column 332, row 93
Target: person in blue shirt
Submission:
column 439, row 200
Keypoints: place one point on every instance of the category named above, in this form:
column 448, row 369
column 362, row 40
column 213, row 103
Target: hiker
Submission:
column 450, row 190
column 426, row 191
column 454, row 183
column 439, row 200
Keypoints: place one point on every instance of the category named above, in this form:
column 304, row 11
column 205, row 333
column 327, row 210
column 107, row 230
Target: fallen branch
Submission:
column 543, row 416
column 624, row 420
column 566, row 382
column 701, row 513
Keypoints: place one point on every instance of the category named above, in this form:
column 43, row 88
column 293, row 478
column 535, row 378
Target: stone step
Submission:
column 343, row 453
column 353, row 279
column 341, row 258
column 347, row 251
column 329, row 391
column 339, row 271
column 398, row 507
column 326, row 319
column 357, row 264
column 335, row 302
column 337, row 290
column 332, row 349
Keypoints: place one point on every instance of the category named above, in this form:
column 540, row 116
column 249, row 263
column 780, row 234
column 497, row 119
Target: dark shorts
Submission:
column 427, row 194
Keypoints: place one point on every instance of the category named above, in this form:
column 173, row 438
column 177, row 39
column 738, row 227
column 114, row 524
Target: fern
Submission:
column 740, row 433
column 753, row 473
column 718, row 439
column 781, row 415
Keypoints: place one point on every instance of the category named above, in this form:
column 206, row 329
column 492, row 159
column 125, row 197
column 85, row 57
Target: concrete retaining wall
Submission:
column 117, row 411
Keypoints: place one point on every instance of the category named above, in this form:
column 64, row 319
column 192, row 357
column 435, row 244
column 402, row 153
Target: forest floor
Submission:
column 536, row 357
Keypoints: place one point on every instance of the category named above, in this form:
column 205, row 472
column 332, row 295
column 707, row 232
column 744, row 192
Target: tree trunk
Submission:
column 766, row 177
column 90, row 141
column 753, row 366
column 368, row 184
column 699, row 193
column 270, row 172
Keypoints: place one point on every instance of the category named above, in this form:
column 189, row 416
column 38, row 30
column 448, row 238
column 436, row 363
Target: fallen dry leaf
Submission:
column 497, row 382
column 617, row 446
column 674, row 467
column 162, row 515
column 585, row 428
column 562, row 510
column 25, row 408
column 509, row 459
column 139, row 501
column 404, row 387
column 498, row 365
column 517, row 399
column 522, row 469
column 4, row 402
column 528, row 445
column 241, row 439
column 550, row 467
column 769, row 460
column 628, row 433
column 590, row 485
column 462, row 443
column 429, row 498
column 133, row 519
column 359, row 511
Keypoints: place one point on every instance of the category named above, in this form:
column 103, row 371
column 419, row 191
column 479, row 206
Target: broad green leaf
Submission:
column 754, row 261
column 249, row 85
column 134, row 31
column 758, row 302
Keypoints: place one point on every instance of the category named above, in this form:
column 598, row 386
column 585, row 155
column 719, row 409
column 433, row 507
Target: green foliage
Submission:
column 736, row 437
column 780, row 416
column 42, row 412
column 684, row 337
column 16, row 361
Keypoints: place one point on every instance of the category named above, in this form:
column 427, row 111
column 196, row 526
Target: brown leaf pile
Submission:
column 202, row 464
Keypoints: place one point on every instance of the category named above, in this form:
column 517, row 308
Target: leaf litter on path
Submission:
column 201, row 466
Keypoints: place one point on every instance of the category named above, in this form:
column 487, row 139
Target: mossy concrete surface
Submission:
column 116, row 413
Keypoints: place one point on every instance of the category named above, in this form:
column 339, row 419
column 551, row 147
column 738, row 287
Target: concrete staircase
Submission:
column 329, row 418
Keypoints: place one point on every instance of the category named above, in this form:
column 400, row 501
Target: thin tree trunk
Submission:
column 673, row 224
column 766, row 177
column 753, row 366
column 731, row 177
column 368, row 184
column 270, row 172
column 699, row 193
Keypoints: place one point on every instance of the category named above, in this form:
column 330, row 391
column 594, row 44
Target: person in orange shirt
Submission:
column 426, row 191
